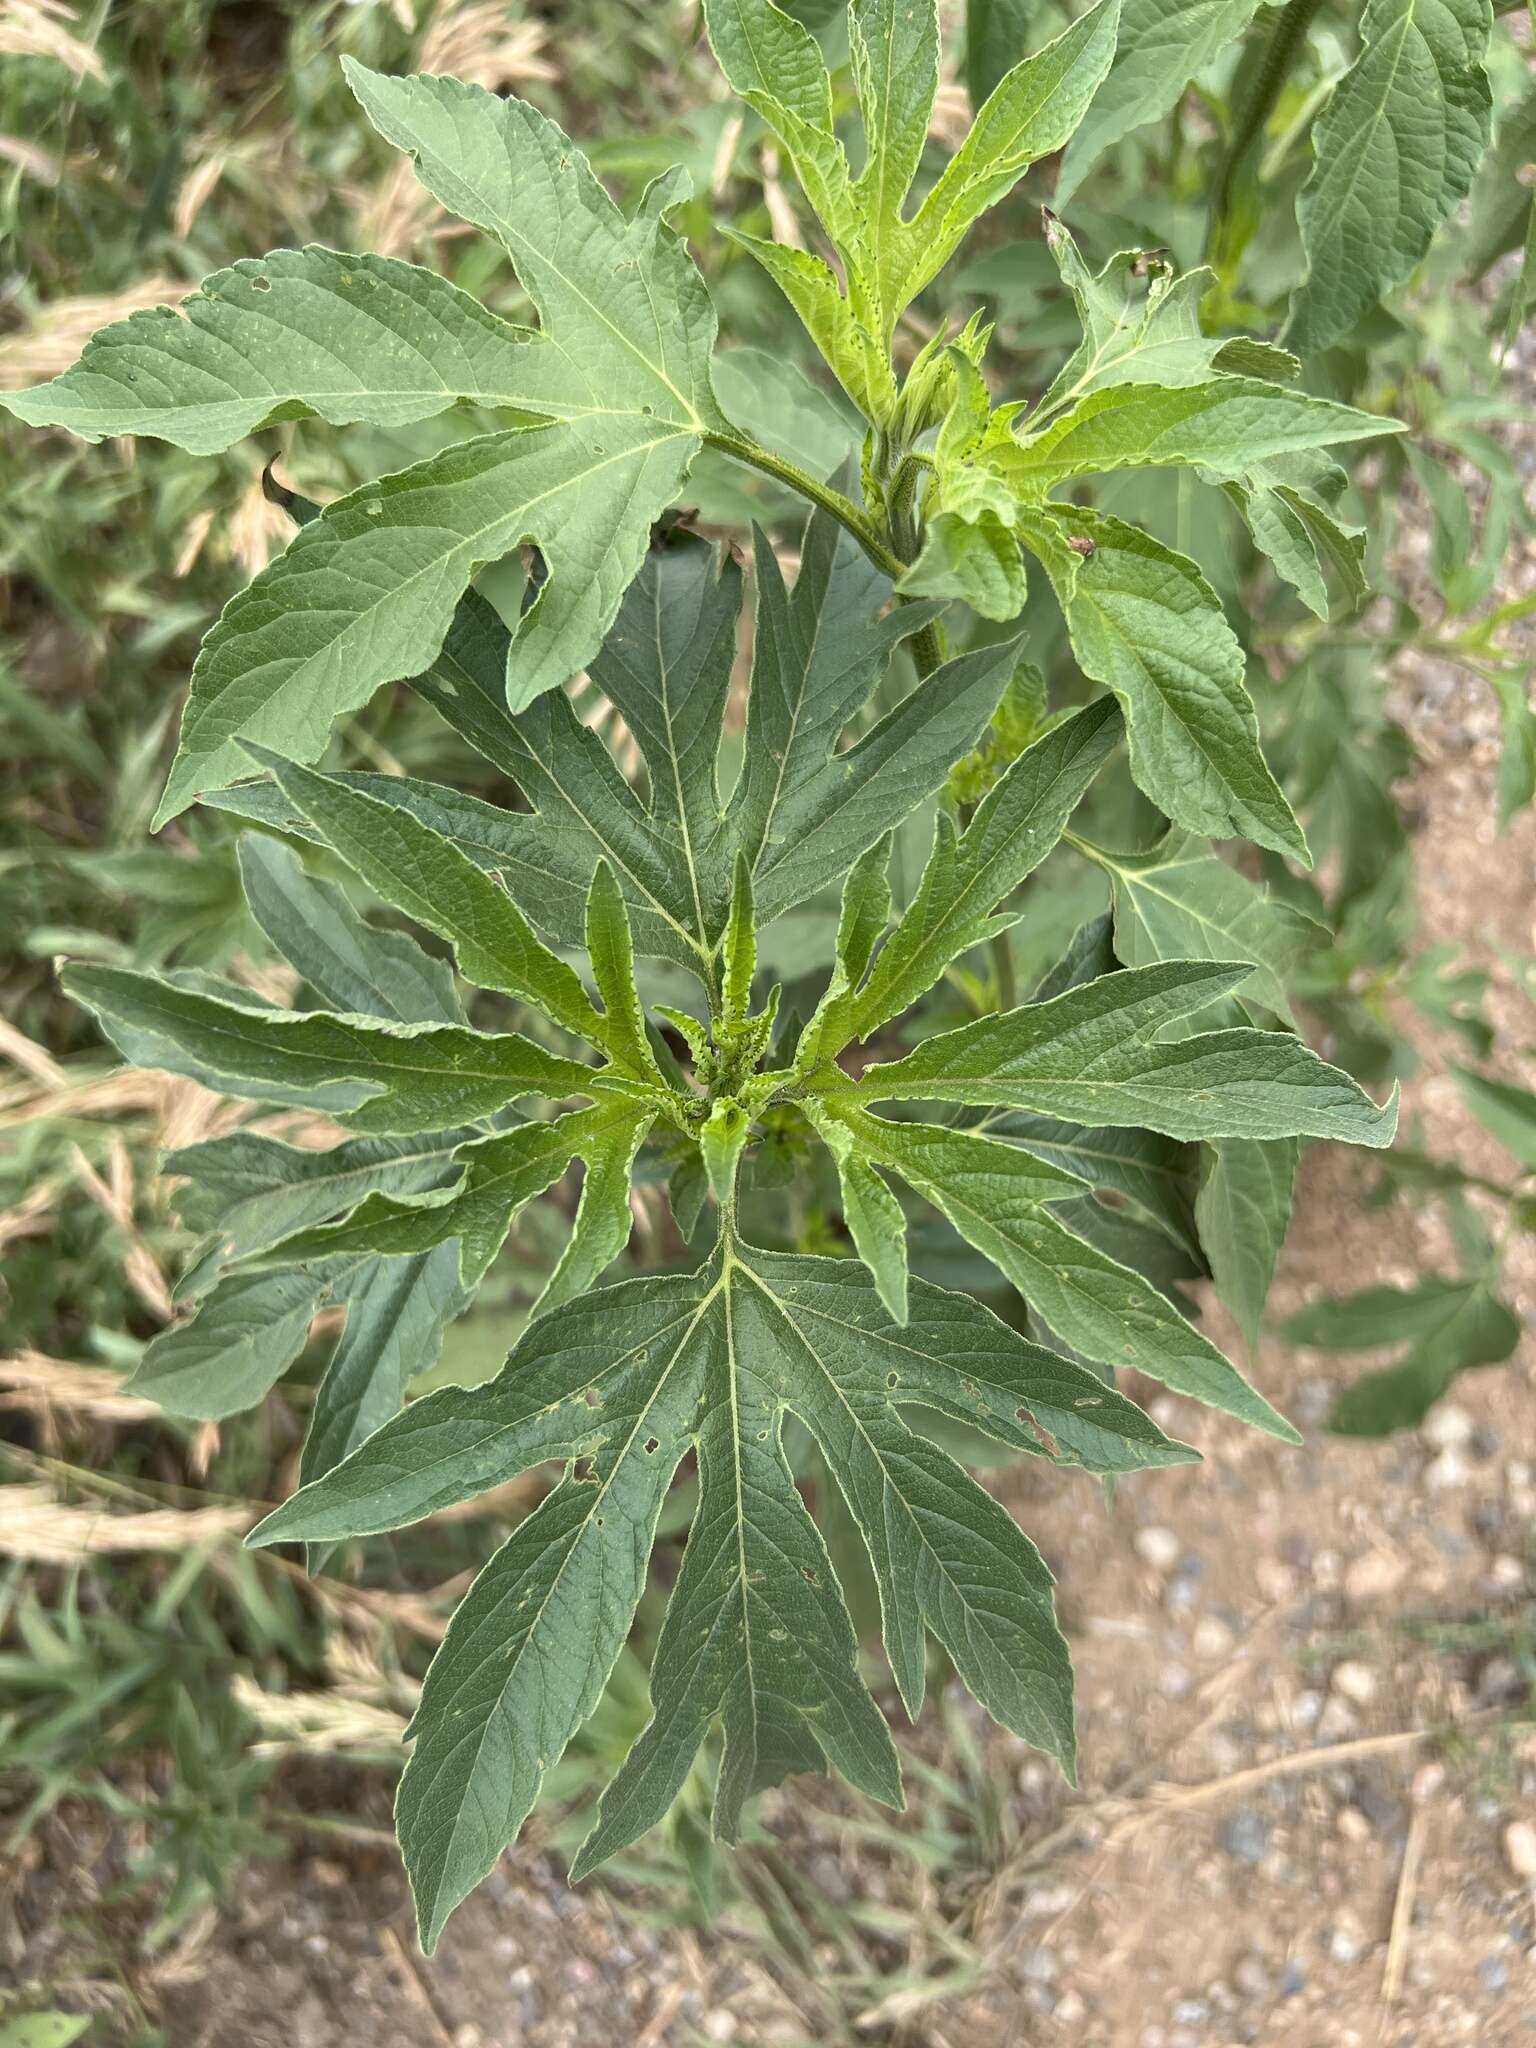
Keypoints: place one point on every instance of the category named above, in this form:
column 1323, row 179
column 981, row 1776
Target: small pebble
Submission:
column 1354, row 1681
column 1447, row 1425
column 1251, row 1978
column 1293, row 1981
column 1493, row 1975
column 1427, row 1781
column 1507, row 1573
column 1191, row 2012
column 1353, row 1825
column 1213, row 1638
column 1447, row 1471
column 1373, row 1576
column 1246, row 1836
column 1520, row 1848
column 1158, row 1548
column 1338, row 1722
column 1276, row 1581
column 1343, row 1946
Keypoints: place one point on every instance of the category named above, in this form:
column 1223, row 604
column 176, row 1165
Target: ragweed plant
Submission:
column 859, row 710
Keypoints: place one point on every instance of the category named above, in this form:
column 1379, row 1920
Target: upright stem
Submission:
column 842, row 508
column 1261, row 85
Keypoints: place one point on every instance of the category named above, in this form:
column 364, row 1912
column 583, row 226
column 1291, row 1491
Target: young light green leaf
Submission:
column 1243, row 1211
column 852, row 353
column 297, row 334
column 774, row 64
column 349, row 963
column 1144, row 621
column 1092, row 1055
column 1227, row 425
column 895, row 49
column 1141, row 325
column 1033, row 111
column 722, row 1138
column 611, row 949
column 738, row 950
column 863, row 916
column 995, row 1194
column 425, row 875
column 1396, row 149
column 1162, row 44
column 975, row 560
column 375, row 1075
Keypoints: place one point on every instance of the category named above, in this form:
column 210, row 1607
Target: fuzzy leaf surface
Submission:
column 1143, row 620
column 1395, row 151
column 1092, row 1055
column 992, row 1193
column 300, row 333
column 618, row 374
column 375, row 1075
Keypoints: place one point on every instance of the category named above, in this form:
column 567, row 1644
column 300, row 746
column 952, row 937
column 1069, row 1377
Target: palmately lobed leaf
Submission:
column 627, row 1380
column 616, row 379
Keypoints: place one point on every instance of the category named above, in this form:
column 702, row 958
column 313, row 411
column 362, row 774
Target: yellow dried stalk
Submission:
column 61, row 330
column 36, row 1525
column 317, row 1723
column 44, row 28
column 468, row 39
column 35, row 1382
column 27, row 157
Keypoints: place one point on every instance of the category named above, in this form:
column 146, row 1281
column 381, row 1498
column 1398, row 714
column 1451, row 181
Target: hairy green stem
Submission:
column 841, row 507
